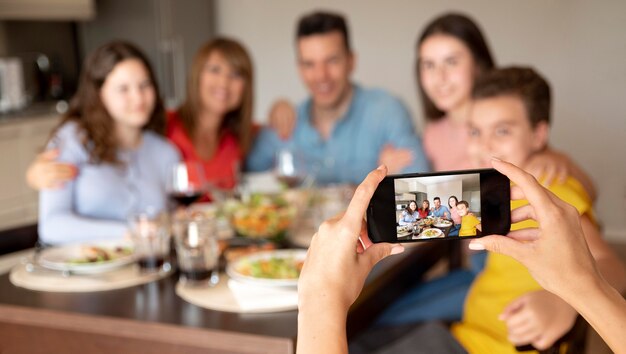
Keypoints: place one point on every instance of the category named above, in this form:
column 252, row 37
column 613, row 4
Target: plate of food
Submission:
column 404, row 230
column 443, row 223
column 88, row 258
column 262, row 216
column 429, row 233
column 270, row 268
column 427, row 221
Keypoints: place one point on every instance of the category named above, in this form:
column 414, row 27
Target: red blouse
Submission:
column 220, row 170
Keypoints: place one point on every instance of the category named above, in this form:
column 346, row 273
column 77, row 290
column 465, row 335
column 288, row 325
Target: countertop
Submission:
column 33, row 111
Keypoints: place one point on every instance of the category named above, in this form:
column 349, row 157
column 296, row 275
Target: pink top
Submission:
column 455, row 215
column 445, row 145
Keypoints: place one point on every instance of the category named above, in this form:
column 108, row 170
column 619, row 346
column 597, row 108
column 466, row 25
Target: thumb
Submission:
column 379, row 251
column 498, row 244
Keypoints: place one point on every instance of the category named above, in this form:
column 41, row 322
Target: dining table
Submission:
column 153, row 318
column 444, row 229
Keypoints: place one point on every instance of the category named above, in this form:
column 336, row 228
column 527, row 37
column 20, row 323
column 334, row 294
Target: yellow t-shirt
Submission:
column 468, row 225
column 504, row 280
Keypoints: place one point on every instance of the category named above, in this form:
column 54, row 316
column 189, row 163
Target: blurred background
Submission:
column 578, row 45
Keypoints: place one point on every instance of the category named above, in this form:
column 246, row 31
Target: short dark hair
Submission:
column 436, row 198
column 467, row 31
column 464, row 203
column 322, row 22
column 522, row 82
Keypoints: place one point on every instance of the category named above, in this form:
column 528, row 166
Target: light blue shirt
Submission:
column 439, row 213
column 373, row 120
column 96, row 204
column 408, row 218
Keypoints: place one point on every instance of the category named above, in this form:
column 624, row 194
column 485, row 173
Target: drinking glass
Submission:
column 289, row 168
column 150, row 233
column 187, row 183
column 197, row 251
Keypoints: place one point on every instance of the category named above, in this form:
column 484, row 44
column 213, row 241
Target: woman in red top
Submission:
column 212, row 127
column 424, row 210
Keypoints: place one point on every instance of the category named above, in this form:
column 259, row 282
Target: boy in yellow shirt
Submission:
column 505, row 306
column 469, row 222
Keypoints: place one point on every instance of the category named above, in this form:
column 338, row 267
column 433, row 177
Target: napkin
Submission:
column 254, row 297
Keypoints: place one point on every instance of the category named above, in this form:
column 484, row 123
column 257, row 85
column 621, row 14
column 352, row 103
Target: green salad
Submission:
column 271, row 268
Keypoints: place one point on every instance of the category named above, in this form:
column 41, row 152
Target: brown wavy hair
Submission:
column 467, row 31
column 87, row 110
column 238, row 121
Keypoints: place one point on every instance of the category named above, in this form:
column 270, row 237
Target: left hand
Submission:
column 539, row 318
column 396, row 159
column 550, row 165
column 337, row 264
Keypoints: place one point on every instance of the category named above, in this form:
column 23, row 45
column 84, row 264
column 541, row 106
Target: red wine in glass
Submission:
column 185, row 199
column 187, row 183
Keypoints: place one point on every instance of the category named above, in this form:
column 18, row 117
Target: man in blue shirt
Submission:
column 439, row 211
column 343, row 130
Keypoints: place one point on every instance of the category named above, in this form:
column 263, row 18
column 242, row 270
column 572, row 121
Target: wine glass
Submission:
column 289, row 168
column 187, row 183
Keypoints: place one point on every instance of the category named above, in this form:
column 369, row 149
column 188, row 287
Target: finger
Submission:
column 49, row 154
column 528, row 234
column 541, row 342
column 517, row 193
column 562, row 174
column 380, row 251
column 512, row 308
column 62, row 172
column 524, row 339
column 549, row 173
column 518, row 322
column 363, row 236
column 500, row 244
column 538, row 196
column 525, row 212
column 361, row 198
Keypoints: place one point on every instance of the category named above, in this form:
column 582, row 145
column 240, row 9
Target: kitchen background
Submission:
column 578, row 45
column 466, row 187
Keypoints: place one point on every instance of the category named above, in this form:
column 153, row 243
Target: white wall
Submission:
column 444, row 190
column 579, row 45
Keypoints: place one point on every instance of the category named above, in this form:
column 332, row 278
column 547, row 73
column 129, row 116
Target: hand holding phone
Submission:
column 440, row 206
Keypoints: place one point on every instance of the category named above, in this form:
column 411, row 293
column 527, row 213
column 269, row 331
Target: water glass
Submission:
column 197, row 251
column 150, row 233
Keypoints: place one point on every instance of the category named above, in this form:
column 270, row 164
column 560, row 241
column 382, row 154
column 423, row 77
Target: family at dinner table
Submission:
column 113, row 151
column 464, row 222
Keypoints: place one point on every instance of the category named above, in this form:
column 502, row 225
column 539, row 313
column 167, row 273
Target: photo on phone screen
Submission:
column 451, row 205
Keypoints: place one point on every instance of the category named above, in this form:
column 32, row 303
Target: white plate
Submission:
column 422, row 236
column 232, row 268
column 58, row 258
column 443, row 224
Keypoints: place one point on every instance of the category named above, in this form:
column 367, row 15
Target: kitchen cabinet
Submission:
column 20, row 141
column 46, row 9
column 169, row 33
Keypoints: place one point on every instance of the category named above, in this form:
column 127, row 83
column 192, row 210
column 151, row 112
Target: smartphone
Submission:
column 415, row 207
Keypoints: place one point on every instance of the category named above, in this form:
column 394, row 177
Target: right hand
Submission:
column 341, row 255
column 46, row 173
column 282, row 118
column 556, row 253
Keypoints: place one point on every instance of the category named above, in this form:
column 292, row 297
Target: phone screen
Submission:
column 439, row 206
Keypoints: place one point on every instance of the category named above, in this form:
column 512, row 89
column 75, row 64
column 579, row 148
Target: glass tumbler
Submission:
column 197, row 251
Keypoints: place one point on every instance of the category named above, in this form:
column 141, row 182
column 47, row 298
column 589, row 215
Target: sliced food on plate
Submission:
column 431, row 233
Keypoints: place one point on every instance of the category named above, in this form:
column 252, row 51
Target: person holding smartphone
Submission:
column 555, row 253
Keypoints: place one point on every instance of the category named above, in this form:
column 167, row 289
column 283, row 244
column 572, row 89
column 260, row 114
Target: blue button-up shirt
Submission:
column 373, row 120
column 440, row 212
